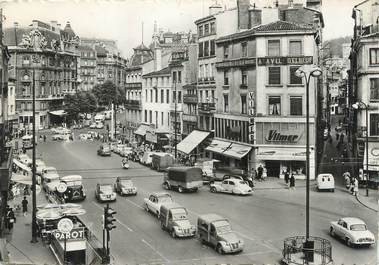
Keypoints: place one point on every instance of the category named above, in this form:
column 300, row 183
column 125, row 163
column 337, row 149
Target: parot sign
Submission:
column 74, row 234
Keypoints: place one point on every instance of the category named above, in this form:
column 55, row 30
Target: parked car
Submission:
column 104, row 150
column 105, row 192
column 155, row 200
column 93, row 126
column 126, row 151
column 231, row 185
column 325, row 181
column 99, row 125
column 50, row 179
column 353, row 231
column 58, row 137
column 161, row 161
column 40, row 165
column 216, row 231
column 174, row 218
column 75, row 189
column 84, row 136
column 119, row 148
column 125, row 186
column 183, row 179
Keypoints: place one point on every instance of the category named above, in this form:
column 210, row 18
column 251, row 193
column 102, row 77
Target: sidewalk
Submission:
column 20, row 250
column 370, row 202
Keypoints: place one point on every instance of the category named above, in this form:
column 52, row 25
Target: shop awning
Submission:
column 142, row 129
column 21, row 165
column 192, row 141
column 277, row 153
column 233, row 150
column 373, row 156
column 58, row 112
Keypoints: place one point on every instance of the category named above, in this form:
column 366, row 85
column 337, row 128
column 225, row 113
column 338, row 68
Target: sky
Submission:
column 122, row 19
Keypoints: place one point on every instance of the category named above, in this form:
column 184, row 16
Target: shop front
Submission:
column 158, row 139
column 140, row 133
column 192, row 144
column 280, row 147
column 373, row 163
column 230, row 154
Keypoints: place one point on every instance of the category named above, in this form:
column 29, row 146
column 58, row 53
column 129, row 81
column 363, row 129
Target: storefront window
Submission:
column 294, row 167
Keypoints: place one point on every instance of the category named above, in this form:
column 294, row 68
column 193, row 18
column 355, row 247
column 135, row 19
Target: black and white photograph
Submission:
column 189, row 132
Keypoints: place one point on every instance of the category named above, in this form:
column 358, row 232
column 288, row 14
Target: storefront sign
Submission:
column 74, row 234
column 373, row 157
column 275, row 136
column 151, row 137
column 285, row 60
column 237, row 63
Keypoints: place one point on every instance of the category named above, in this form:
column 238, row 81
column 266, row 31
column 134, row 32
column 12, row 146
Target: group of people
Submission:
column 351, row 183
column 289, row 180
column 261, row 173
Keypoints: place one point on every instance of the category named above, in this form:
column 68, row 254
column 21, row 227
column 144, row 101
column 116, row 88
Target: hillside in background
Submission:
column 336, row 45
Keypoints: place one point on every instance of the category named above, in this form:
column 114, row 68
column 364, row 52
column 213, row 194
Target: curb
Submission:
column 282, row 188
column 365, row 205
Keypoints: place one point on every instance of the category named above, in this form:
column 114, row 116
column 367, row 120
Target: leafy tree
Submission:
column 81, row 102
column 108, row 93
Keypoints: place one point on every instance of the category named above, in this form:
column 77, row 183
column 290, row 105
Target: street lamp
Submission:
column 361, row 105
column 307, row 72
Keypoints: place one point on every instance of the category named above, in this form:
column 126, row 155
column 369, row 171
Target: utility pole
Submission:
column 175, row 130
column 34, row 224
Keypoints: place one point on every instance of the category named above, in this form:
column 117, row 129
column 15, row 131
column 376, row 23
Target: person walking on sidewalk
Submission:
column 355, row 189
column 292, row 182
column 25, row 206
column 286, row 177
column 346, row 176
column 10, row 220
column 260, row 172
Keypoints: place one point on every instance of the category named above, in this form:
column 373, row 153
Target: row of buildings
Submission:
column 232, row 93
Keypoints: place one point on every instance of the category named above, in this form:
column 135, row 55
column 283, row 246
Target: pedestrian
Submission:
column 25, row 206
column 44, row 138
column 286, row 177
column 342, row 136
column 264, row 174
column 260, row 172
column 346, row 176
column 337, row 135
column 292, row 182
column 355, row 187
column 11, row 219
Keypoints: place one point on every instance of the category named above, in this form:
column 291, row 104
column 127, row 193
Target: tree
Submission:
column 80, row 102
column 108, row 93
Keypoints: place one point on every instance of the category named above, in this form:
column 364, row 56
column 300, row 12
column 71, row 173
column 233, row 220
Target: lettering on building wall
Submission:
column 285, row 60
column 275, row 136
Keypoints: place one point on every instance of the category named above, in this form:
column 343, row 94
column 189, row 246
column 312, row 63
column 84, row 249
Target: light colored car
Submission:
column 40, row 165
column 119, row 148
column 325, row 181
column 125, row 186
column 105, row 192
column 353, row 231
column 126, row 151
column 93, row 126
column 231, row 185
column 155, row 200
column 58, row 137
column 99, row 125
column 50, row 178
column 84, row 136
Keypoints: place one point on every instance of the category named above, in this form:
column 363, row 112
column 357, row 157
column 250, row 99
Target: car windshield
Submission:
column 222, row 227
column 165, row 198
column 106, row 188
column 126, row 183
column 179, row 214
column 358, row 227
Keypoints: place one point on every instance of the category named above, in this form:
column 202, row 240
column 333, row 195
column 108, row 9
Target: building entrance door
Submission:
column 273, row 168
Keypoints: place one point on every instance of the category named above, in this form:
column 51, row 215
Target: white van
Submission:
column 325, row 181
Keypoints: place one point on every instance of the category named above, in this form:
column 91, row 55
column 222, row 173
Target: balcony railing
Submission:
column 206, row 80
column 190, row 98
column 206, row 107
column 133, row 104
column 137, row 85
column 189, row 118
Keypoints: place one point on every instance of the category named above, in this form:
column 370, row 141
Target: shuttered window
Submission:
column 274, row 75
column 295, row 47
column 296, row 106
column 273, row 48
column 295, row 80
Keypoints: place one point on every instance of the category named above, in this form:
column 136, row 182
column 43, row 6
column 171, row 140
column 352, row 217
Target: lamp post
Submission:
column 306, row 73
column 34, row 181
column 362, row 105
column 176, row 96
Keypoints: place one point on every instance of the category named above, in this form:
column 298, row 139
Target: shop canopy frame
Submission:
column 141, row 130
column 229, row 149
column 188, row 144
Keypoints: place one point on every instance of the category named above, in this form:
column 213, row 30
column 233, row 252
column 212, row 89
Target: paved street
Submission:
column 263, row 220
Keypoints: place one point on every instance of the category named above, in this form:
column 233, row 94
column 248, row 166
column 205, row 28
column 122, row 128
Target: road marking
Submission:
column 156, row 251
column 121, row 223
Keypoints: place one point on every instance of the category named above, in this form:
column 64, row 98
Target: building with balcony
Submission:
column 44, row 60
column 364, row 85
column 260, row 102
column 86, row 67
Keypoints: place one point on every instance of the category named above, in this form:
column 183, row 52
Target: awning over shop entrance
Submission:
column 278, row 153
column 142, row 129
column 233, row 150
column 192, row 141
column 373, row 156
column 59, row 113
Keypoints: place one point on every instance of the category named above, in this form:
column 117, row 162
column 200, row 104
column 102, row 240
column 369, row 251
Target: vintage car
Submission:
column 125, row 186
column 231, row 185
column 325, row 181
column 216, row 231
column 84, row 136
column 50, row 179
column 118, row 148
column 40, row 165
column 126, row 151
column 99, row 125
column 58, row 137
column 105, row 192
column 162, row 161
column 174, row 218
column 75, row 190
column 353, row 231
column 104, row 150
column 93, row 126
column 155, row 200
column 183, row 179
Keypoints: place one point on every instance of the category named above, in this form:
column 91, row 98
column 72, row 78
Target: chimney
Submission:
column 158, row 58
column 215, row 8
column 255, row 17
column 243, row 14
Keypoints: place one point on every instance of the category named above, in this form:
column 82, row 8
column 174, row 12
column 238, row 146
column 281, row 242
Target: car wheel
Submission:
column 146, row 208
column 173, row 233
column 332, row 234
column 180, row 189
column 348, row 242
column 162, row 225
column 219, row 249
column 213, row 189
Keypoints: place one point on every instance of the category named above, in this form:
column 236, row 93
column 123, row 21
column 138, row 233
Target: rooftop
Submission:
column 164, row 71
